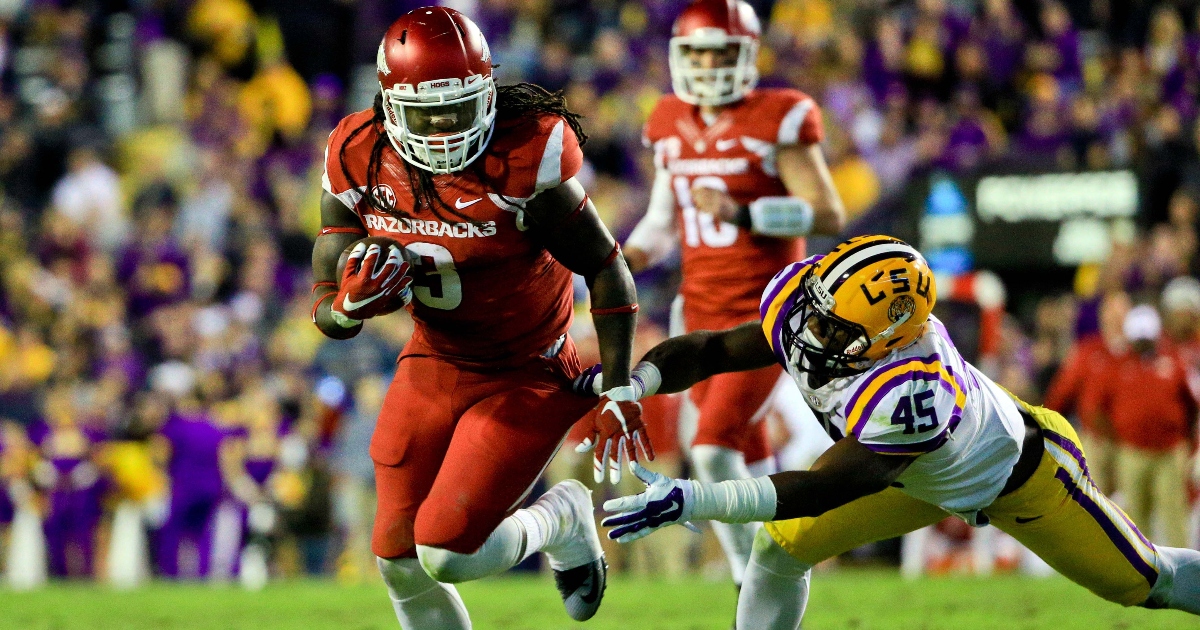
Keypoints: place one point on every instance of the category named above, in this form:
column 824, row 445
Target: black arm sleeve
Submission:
column 326, row 251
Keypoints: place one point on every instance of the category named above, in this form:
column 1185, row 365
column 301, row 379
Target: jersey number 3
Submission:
column 910, row 409
column 435, row 280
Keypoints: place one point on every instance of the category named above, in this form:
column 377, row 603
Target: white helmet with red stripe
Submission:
column 729, row 27
column 439, row 99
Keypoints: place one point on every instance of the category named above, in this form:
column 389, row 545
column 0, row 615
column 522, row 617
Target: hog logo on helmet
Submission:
column 709, row 25
column 439, row 98
column 869, row 296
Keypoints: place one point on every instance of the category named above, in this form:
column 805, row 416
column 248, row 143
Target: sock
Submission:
column 1178, row 585
column 717, row 463
column 775, row 591
column 503, row 549
column 419, row 601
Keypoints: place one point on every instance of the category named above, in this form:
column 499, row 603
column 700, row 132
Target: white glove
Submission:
column 665, row 501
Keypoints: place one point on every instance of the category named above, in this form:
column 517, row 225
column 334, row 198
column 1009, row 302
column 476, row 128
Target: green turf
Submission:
column 860, row 600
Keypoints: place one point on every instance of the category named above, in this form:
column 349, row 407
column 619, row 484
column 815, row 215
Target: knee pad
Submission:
column 718, row 463
column 444, row 565
column 404, row 577
column 1178, row 584
column 770, row 556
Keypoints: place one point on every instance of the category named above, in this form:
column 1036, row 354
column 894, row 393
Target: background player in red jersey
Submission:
column 740, row 180
column 476, row 182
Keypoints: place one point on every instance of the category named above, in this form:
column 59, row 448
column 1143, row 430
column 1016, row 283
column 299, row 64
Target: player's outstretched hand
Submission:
column 617, row 433
column 666, row 501
column 369, row 288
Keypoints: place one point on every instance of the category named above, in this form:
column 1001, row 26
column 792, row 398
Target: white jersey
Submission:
column 924, row 399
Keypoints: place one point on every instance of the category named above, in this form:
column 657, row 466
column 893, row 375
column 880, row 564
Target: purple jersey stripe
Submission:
column 1110, row 528
column 892, row 384
column 854, row 399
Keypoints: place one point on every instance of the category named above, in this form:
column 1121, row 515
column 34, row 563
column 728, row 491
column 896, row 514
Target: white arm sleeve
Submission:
column 655, row 234
column 781, row 216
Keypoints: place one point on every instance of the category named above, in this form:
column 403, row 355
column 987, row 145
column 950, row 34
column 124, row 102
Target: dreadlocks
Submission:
column 512, row 101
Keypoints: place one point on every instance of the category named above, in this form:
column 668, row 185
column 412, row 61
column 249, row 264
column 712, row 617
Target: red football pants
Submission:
column 731, row 405
column 456, row 451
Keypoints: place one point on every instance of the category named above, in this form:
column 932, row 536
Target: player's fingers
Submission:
column 615, row 460
column 585, row 446
column 624, row 504
column 356, row 253
column 601, row 460
column 622, row 519
column 648, row 477
column 640, row 532
column 618, row 532
column 643, row 442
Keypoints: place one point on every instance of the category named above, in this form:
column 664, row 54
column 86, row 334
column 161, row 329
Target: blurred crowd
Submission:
column 162, row 386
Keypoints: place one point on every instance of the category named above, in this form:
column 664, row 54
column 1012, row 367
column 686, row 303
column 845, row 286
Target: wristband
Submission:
column 780, row 216
column 318, row 303
column 616, row 310
column 646, row 378
column 342, row 230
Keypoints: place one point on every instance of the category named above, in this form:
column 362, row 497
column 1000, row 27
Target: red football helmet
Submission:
column 439, row 99
column 707, row 25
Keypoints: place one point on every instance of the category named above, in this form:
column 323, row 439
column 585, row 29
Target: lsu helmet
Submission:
column 869, row 296
column 439, row 99
column 714, row 24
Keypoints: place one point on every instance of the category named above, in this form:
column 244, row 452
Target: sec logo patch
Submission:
column 384, row 195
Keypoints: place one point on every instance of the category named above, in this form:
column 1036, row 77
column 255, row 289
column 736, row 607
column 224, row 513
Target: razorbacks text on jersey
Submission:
column 485, row 291
column 736, row 155
column 922, row 399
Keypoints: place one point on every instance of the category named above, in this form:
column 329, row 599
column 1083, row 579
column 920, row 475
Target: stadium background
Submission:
column 160, row 166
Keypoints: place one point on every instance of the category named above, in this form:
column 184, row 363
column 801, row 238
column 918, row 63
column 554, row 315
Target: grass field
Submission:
column 859, row 600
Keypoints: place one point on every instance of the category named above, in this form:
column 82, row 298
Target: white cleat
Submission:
column 573, row 550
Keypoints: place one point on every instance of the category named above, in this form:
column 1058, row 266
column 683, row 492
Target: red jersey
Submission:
column 1074, row 387
column 486, row 292
column 1147, row 400
column 725, row 267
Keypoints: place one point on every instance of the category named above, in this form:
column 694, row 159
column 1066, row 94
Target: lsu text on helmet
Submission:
column 439, row 98
column 869, row 296
column 729, row 28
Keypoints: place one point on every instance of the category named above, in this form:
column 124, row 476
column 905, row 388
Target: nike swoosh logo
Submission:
column 350, row 305
column 1022, row 521
column 725, row 145
column 458, row 203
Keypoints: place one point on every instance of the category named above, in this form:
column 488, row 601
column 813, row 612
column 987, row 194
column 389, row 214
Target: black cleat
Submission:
column 582, row 588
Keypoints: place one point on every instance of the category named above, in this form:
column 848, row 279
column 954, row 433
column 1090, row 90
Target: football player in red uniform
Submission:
column 476, row 182
column 740, row 181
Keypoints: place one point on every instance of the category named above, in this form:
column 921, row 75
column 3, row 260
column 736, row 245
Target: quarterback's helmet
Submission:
column 869, row 296
column 439, row 100
column 721, row 25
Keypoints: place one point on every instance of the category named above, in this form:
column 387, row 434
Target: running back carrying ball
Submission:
column 374, row 279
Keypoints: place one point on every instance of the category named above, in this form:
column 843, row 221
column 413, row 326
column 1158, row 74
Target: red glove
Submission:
column 617, row 433
column 369, row 289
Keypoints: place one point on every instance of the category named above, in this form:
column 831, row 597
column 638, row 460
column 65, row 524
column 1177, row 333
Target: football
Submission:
column 382, row 241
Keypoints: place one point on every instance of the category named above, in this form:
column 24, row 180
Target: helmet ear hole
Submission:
column 404, row 36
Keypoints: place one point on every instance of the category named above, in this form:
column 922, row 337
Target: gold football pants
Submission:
column 1059, row 514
